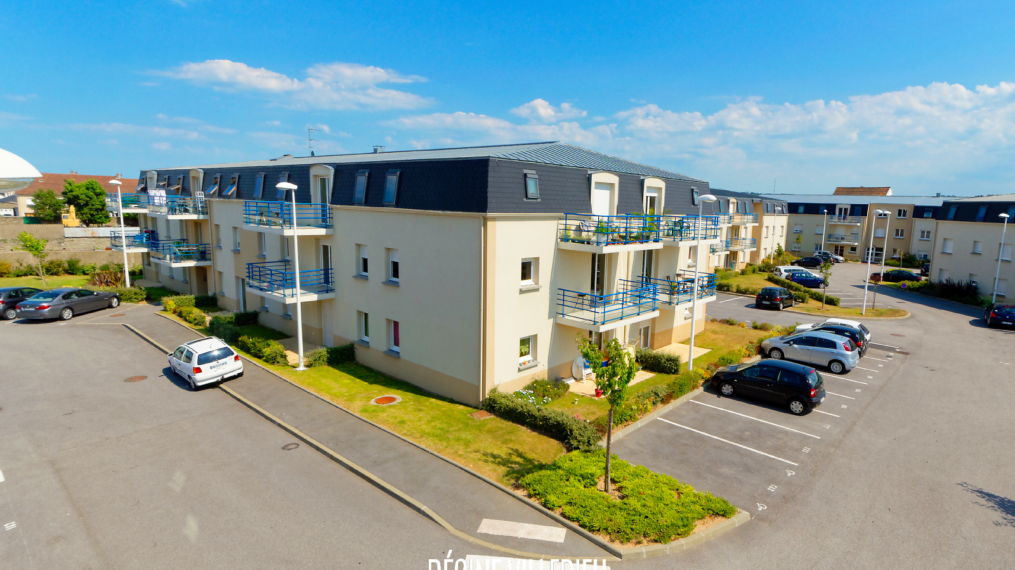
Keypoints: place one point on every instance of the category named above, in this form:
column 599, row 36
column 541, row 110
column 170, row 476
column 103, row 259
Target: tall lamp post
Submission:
column 888, row 228
column 824, row 220
column 1000, row 250
column 123, row 232
column 694, row 287
column 870, row 252
column 296, row 259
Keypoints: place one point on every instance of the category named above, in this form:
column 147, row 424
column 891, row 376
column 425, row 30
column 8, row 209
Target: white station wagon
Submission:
column 206, row 361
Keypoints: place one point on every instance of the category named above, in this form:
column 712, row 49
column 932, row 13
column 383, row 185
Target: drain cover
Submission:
column 118, row 315
column 290, row 446
column 135, row 379
column 386, row 400
column 897, row 334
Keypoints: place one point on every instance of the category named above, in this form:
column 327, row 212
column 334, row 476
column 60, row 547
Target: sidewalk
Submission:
column 462, row 499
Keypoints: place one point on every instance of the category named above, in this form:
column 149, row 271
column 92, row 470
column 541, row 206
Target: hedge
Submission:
column 224, row 329
column 180, row 300
column 316, row 357
column 812, row 293
column 206, row 302
column 562, row 426
column 267, row 350
column 661, row 362
column 343, row 353
column 275, row 354
column 127, row 294
column 247, row 318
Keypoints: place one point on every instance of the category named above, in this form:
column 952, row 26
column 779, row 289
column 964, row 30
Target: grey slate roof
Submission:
column 567, row 155
column 861, row 200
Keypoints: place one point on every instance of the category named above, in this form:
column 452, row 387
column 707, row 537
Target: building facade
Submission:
column 458, row 270
column 970, row 238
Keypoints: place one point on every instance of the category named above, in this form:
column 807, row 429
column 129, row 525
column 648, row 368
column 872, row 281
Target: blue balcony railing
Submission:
column 741, row 219
column 176, row 251
column 685, row 228
column 135, row 201
column 741, row 244
column 177, row 206
column 678, row 290
column 276, row 277
column 608, row 230
column 634, row 300
column 848, row 220
column 720, row 247
column 280, row 215
column 724, row 219
column 135, row 238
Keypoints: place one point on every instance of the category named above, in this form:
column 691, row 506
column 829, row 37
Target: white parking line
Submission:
column 826, row 413
column 878, row 359
column 839, row 395
column 522, row 530
column 844, row 378
column 755, row 419
column 888, row 345
column 728, row 441
column 1, row 476
column 867, row 369
column 728, row 300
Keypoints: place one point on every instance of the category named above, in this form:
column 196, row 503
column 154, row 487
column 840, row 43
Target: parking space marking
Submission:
column 728, row 300
column 753, row 418
column 1, row 476
column 867, row 369
column 878, row 359
column 888, row 345
column 729, row 442
column 826, row 413
column 846, row 379
column 839, row 395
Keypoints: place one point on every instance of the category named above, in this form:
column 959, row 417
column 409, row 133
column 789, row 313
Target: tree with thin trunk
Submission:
column 47, row 206
column 36, row 247
column 614, row 369
column 826, row 272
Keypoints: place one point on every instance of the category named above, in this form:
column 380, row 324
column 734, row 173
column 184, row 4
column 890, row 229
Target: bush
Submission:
column 193, row 315
column 961, row 291
column 75, row 267
column 106, row 279
column 744, row 290
column 224, row 319
column 274, row 353
column 660, row 362
column 681, row 385
column 224, row 329
column 316, row 357
column 253, row 345
column 798, row 288
column 169, row 306
column 55, row 267
column 724, row 286
column 157, row 294
column 247, row 318
column 127, row 294
column 5, row 268
column 206, row 302
column 340, row 354
column 569, row 430
column 545, row 389
column 180, row 300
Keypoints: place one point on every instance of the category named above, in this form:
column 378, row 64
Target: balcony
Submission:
column 178, row 207
column 132, row 203
column 275, row 280
column 743, row 244
column 680, row 290
column 676, row 229
column 845, row 220
column 277, row 218
column 600, row 313
column 176, row 253
column 609, row 234
column 745, row 219
column 724, row 219
column 721, row 247
column 845, row 239
column 137, row 241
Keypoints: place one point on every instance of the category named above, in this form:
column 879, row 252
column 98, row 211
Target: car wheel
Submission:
column 781, row 306
column 66, row 314
column 193, row 386
column 836, row 367
column 775, row 353
column 114, row 302
column 797, row 406
column 726, row 389
column 10, row 314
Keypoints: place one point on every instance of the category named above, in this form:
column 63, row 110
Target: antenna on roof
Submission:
column 310, row 139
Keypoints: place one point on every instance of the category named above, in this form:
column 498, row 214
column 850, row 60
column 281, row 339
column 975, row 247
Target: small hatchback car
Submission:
column 798, row 387
column 206, row 361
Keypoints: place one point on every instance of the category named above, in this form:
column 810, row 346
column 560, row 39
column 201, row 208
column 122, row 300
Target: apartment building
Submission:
column 458, row 270
column 968, row 243
column 842, row 224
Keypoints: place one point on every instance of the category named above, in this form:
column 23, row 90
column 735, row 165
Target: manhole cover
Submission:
column 135, row 379
column 901, row 352
column 386, row 400
column 897, row 334
column 290, row 446
column 118, row 315
column 481, row 415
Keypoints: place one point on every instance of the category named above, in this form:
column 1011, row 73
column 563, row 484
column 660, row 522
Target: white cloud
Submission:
column 486, row 129
column 273, row 123
column 333, row 86
column 162, row 146
column 20, row 98
column 539, row 111
column 321, row 127
column 145, row 130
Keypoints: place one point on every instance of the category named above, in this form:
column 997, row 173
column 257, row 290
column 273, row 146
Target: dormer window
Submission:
column 179, row 185
column 531, row 185
column 280, row 195
column 165, row 181
column 391, row 187
column 234, row 181
column 214, row 186
column 259, row 186
column 694, row 196
column 359, row 195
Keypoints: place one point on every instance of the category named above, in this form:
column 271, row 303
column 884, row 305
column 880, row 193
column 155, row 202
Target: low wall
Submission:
column 96, row 257
column 61, row 244
column 9, row 230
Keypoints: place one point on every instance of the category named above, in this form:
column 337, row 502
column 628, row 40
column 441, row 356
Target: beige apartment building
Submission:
column 969, row 240
column 458, row 270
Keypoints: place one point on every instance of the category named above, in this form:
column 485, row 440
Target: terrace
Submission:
column 677, row 291
column 846, row 239
column 277, row 218
column 845, row 220
column 676, row 229
column 599, row 313
column 745, row 219
column 275, row 280
column 132, row 203
column 137, row 241
column 742, row 244
column 609, row 234
column 178, row 207
column 176, row 253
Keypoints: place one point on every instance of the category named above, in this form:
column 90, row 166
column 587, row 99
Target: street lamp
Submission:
column 870, row 251
column 888, row 228
column 123, row 232
column 1000, row 250
column 296, row 259
column 824, row 219
column 694, row 287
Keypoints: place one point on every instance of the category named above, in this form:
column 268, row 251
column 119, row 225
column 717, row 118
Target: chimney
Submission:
column 378, row 149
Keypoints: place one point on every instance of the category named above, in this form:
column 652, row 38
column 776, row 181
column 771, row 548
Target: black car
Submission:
column 11, row 296
column 799, row 387
column 808, row 262
column 998, row 315
column 856, row 335
column 895, row 276
column 925, row 270
column 773, row 297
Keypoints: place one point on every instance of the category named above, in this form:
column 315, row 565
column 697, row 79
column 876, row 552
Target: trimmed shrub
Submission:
column 340, row 354
column 169, row 306
column 255, row 346
column 316, row 357
column 194, row 316
column 274, row 353
column 568, row 429
column 55, row 267
column 180, row 300
column 157, row 294
column 796, row 287
column 224, row 319
column 247, row 318
column 22, row 270
column 127, row 294
column 75, row 267
column 206, row 302
column 724, row 286
column 224, row 329
column 680, row 386
column 744, row 290
column 659, row 362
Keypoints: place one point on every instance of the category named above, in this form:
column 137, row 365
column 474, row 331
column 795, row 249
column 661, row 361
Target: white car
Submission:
column 206, row 361
column 848, row 323
column 784, row 271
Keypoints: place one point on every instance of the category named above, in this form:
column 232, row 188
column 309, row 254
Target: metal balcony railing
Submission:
column 177, row 206
column 275, row 277
column 608, row 230
column 843, row 239
column 720, row 247
column 635, row 299
column 279, row 215
column 850, row 220
column 741, row 219
column 678, row 290
column 685, row 228
column 178, row 251
column 136, row 201
column 135, row 238
column 724, row 219
column 741, row 244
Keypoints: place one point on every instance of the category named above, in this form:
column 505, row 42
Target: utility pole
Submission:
column 310, row 139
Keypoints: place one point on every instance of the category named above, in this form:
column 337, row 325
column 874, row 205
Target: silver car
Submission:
column 64, row 303
column 837, row 353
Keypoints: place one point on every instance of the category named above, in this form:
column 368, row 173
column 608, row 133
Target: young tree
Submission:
column 826, row 272
column 612, row 379
column 37, row 248
column 88, row 199
column 48, row 207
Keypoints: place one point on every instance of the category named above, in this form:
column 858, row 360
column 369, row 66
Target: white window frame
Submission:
column 900, row 233
column 394, row 266
column 532, row 262
column 947, row 245
column 1006, row 253
column 925, row 235
column 818, row 230
column 529, row 358
column 901, row 213
column 978, row 247
column 362, row 261
column 798, row 229
column 363, row 326
column 236, row 239
column 262, row 245
column 392, row 325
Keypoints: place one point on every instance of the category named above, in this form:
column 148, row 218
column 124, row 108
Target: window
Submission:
column 895, row 253
column 283, row 246
column 528, row 272
column 857, row 210
column 363, row 320
column 1006, row 252
column 1002, row 287
column 796, row 247
column 925, row 234
column 259, row 186
column 798, row 229
column 359, row 193
column 981, row 213
column 236, row 239
column 883, row 214
column 951, row 212
column 361, row 257
column 394, row 342
column 1011, row 214
column 879, row 232
column 531, row 185
column 325, row 257
column 947, row 245
column 280, row 195
column 651, row 205
column 214, row 186
column 768, row 208
column 928, row 213
column 852, row 249
column 978, row 247
column 782, row 231
column 393, row 265
column 218, row 236
column 817, row 230
column 234, row 181
column 900, row 233
column 694, row 197
column 323, row 190
column 262, row 245
column 901, row 213
column 525, row 350
column 391, row 187
column 766, row 231
column 943, row 275
column 647, row 258
column 974, row 278
column 179, row 185
column 800, row 209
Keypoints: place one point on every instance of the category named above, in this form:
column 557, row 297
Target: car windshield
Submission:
column 214, row 355
column 46, row 296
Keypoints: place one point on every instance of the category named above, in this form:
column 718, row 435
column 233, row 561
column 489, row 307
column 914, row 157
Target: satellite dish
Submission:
column 579, row 368
column 15, row 172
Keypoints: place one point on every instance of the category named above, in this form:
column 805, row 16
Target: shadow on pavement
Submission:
column 1001, row 505
column 713, row 391
column 175, row 378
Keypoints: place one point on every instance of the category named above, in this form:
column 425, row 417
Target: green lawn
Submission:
column 756, row 280
column 830, row 311
column 53, row 282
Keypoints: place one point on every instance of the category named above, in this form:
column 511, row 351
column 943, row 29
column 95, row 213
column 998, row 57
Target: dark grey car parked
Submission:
column 11, row 296
column 65, row 303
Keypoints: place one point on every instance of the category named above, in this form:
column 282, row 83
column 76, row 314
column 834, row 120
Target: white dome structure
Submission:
column 15, row 172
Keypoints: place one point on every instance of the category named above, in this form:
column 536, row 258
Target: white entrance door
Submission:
column 601, row 195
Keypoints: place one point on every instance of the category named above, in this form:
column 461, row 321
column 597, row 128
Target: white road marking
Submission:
column 772, row 488
column 846, row 379
column 1, row 476
column 728, row 300
column 729, row 442
column 839, row 395
column 522, row 530
column 878, row 359
column 761, row 507
column 867, row 369
column 826, row 413
column 888, row 345
column 11, row 526
column 477, row 562
column 752, row 418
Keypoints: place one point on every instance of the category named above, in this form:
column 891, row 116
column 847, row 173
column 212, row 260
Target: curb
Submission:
column 680, row 544
column 647, row 418
column 791, row 310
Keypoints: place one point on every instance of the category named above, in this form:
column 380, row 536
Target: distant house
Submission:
column 863, row 191
column 54, row 181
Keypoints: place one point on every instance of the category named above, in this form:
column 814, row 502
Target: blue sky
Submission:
column 803, row 97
